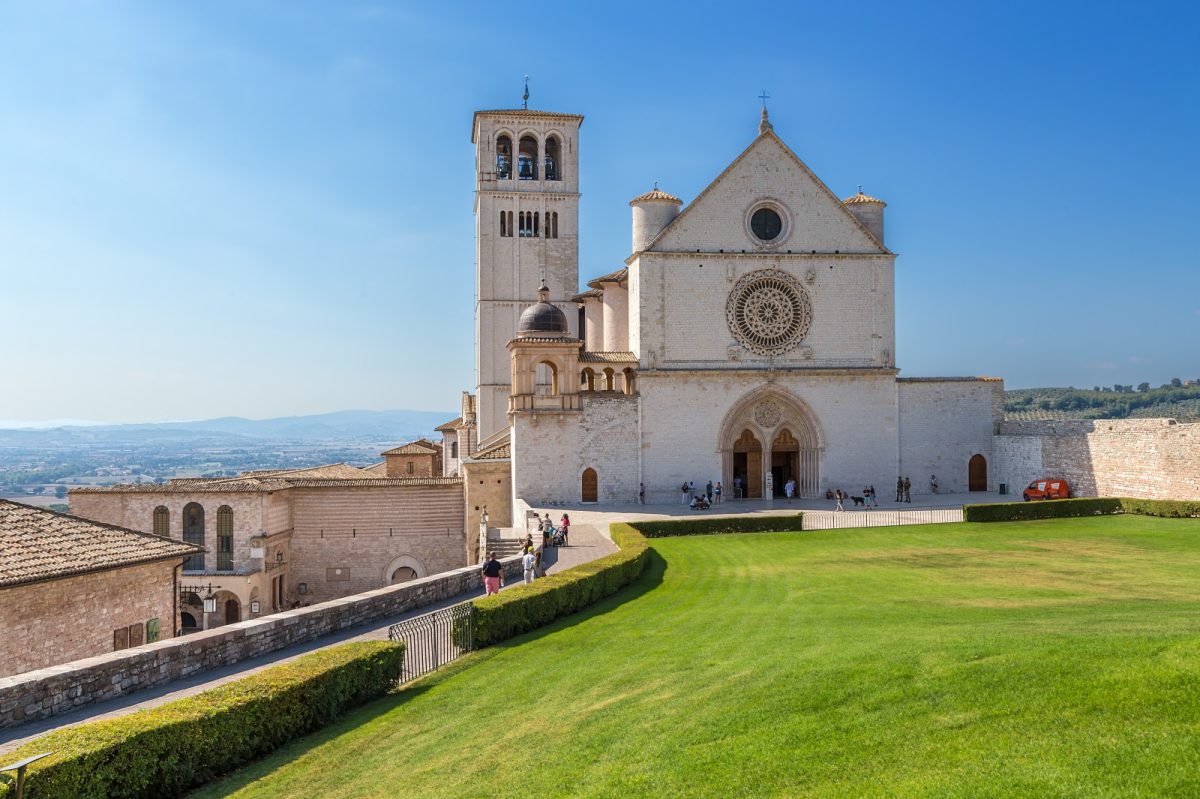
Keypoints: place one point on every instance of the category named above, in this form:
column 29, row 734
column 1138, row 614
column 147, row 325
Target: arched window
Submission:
column 554, row 225
column 547, row 379
column 162, row 521
column 503, row 158
column 527, row 158
column 510, row 223
column 536, row 215
column 608, row 379
column 193, row 533
column 504, row 225
column 587, row 380
column 630, row 381
column 454, row 450
column 552, row 159
column 224, row 538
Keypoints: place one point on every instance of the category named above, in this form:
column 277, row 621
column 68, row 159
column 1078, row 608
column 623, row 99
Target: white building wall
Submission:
column 616, row 318
column 942, row 424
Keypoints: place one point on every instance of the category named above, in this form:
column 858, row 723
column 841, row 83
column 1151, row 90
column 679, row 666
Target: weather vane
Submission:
column 525, row 99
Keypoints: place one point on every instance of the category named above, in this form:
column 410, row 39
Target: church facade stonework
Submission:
column 749, row 337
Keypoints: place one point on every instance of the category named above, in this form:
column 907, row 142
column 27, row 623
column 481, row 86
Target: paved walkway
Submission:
column 587, row 543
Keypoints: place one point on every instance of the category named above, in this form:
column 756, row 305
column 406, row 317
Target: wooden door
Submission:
column 591, row 486
column 977, row 473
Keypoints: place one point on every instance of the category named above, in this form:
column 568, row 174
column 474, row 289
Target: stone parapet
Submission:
column 59, row 689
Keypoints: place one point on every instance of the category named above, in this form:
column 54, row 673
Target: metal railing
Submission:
column 432, row 640
column 880, row 517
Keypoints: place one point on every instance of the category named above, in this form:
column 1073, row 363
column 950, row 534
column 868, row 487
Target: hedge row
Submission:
column 720, row 526
column 501, row 616
column 1092, row 506
column 169, row 749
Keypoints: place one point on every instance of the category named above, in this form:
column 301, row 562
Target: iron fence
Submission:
column 880, row 517
column 432, row 640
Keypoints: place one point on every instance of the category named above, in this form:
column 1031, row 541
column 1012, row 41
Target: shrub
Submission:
column 720, row 526
column 166, row 750
column 501, row 616
column 1051, row 509
column 1175, row 508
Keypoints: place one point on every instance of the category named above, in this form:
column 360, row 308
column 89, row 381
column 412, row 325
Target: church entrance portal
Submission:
column 791, row 450
column 591, row 486
column 977, row 473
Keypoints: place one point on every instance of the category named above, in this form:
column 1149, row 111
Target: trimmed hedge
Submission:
column 1091, row 506
column 165, row 751
column 501, row 616
column 720, row 526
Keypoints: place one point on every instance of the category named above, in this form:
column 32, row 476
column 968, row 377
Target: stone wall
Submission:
column 345, row 539
column 59, row 689
column 75, row 617
column 1147, row 458
column 486, row 483
column 943, row 423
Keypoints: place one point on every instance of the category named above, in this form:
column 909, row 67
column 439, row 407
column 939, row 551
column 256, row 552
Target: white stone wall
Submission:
column 551, row 450
column 682, row 415
column 942, row 424
column 593, row 312
column 616, row 318
column 1018, row 461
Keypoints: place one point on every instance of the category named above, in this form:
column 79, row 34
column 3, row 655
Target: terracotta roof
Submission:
column 588, row 295
column 981, row 378
column 376, row 469
column 862, row 198
column 656, row 194
column 453, row 424
column 611, row 277
column 411, row 448
column 342, row 471
column 548, row 340
column 38, row 544
column 499, row 452
column 254, row 485
column 607, row 357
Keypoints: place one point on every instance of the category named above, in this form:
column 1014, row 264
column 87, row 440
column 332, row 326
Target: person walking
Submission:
column 683, row 494
column 538, row 569
column 789, row 488
column 641, row 493
column 566, row 528
column 737, row 488
column 933, row 483
column 717, row 491
column 708, row 491
column 839, row 496
column 907, row 490
column 493, row 575
column 874, row 501
column 899, row 489
column 528, row 561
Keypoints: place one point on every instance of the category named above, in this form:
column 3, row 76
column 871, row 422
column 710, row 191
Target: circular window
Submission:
column 768, row 312
column 766, row 224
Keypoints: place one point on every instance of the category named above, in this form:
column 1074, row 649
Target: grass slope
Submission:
column 1049, row 659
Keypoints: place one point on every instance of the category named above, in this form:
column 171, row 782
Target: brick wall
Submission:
column 1148, row 458
column 59, row 689
column 74, row 617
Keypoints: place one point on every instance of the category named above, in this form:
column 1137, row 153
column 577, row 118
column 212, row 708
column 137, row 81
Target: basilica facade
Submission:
column 748, row 337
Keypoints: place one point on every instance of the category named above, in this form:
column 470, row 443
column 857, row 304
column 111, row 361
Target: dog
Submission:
column 857, row 501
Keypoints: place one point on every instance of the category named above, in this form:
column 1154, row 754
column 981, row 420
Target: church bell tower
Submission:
column 526, row 232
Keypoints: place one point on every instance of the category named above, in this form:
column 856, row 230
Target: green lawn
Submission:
column 1055, row 658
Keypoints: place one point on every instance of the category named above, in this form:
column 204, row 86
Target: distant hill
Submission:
column 340, row 426
column 1119, row 402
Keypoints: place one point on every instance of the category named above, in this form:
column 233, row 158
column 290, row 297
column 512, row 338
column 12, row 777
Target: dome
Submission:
column 862, row 198
column 542, row 318
column 656, row 194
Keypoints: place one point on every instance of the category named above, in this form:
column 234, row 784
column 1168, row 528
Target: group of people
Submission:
column 700, row 500
column 866, row 499
column 531, row 554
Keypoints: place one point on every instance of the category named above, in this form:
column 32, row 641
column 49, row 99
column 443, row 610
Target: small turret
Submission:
column 869, row 211
column 652, row 212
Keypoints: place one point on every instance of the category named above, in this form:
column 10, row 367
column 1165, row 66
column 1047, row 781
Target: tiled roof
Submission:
column 981, row 378
column 342, row 471
column 453, row 424
column 607, row 357
column 499, row 452
column 376, row 470
column 39, row 544
column 587, row 295
column 656, row 194
column 255, row 485
column 412, row 448
column 611, row 277
column 548, row 340
column 862, row 198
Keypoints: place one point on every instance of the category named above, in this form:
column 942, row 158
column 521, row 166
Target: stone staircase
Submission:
column 505, row 547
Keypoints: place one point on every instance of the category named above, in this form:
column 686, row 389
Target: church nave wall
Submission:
column 943, row 424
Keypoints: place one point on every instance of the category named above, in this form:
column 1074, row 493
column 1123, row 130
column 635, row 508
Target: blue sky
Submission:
column 264, row 209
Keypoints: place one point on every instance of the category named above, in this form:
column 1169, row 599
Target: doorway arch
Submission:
column 770, row 431
column 977, row 477
column 590, row 489
column 402, row 569
column 233, row 611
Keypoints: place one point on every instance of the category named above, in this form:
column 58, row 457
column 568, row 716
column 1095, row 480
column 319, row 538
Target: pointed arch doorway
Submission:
column 771, row 432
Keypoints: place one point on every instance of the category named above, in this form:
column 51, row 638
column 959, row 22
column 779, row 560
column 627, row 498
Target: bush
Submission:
column 1092, row 506
column 720, row 526
column 1050, row 509
column 166, row 750
column 501, row 616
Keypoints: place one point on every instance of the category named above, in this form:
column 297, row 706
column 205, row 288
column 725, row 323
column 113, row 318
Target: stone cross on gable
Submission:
column 764, row 97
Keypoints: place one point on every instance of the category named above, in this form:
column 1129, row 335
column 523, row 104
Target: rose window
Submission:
column 768, row 312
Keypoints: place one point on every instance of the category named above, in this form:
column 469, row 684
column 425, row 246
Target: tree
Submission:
column 60, row 491
column 1176, row 382
column 1143, row 387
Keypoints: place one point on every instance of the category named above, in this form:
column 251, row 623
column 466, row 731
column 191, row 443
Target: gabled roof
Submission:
column 411, row 448
column 590, row 294
column 449, row 426
column 611, row 277
column 766, row 133
column 39, row 544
